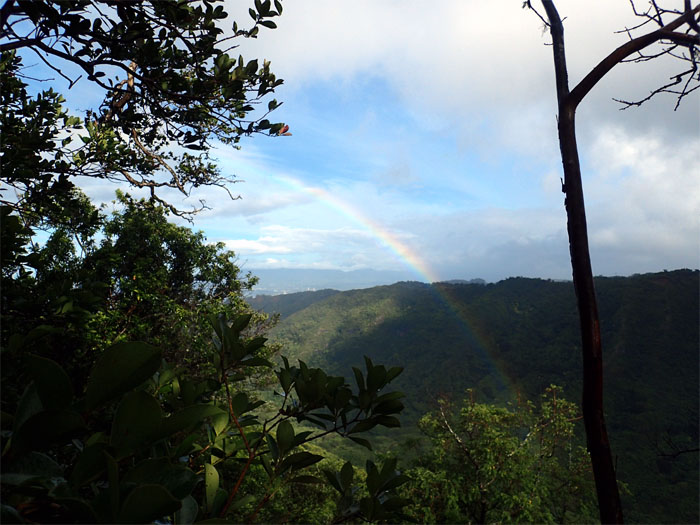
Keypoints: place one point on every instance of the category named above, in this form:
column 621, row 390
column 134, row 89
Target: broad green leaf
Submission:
column 240, row 404
column 188, row 511
column 52, row 383
column 89, row 465
column 391, row 406
column 241, row 321
column 389, row 396
column 29, row 404
column 285, row 436
column 333, row 479
column 189, row 416
column 46, row 428
column 136, row 422
column 299, row 461
column 376, row 378
column 387, row 421
column 272, row 444
column 28, row 467
column 373, row 478
column 346, row 475
column 361, row 441
column 285, row 380
column 301, row 437
column 120, row 368
column 363, row 426
column 395, row 481
column 179, row 480
column 219, row 422
column 211, row 485
column 393, row 372
column 146, row 503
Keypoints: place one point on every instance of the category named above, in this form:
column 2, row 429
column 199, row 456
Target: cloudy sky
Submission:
column 424, row 141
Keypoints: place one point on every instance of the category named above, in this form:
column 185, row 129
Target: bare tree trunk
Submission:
column 592, row 404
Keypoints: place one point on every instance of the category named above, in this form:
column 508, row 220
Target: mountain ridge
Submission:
column 519, row 335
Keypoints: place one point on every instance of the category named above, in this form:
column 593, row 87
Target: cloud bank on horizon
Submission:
column 424, row 139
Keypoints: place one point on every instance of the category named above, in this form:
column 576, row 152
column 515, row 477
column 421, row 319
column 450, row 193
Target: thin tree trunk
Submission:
column 592, row 404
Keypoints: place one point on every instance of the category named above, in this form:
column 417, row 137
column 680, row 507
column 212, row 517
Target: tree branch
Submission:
column 624, row 51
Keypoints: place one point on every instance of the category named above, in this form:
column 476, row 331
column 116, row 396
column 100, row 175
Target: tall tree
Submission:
column 169, row 83
column 677, row 32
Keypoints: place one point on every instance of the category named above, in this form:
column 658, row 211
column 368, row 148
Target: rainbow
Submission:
column 390, row 240
column 416, row 264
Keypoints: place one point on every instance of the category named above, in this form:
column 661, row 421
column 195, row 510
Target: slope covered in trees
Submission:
column 520, row 335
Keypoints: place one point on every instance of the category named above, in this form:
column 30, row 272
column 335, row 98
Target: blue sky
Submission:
column 424, row 140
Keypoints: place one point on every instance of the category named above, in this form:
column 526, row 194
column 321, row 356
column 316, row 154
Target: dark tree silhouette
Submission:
column 675, row 35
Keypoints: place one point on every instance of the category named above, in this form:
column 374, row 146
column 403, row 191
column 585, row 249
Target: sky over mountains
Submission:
column 424, row 142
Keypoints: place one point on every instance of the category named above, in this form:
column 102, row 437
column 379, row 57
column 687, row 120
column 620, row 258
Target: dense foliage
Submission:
column 131, row 365
column 98, row 427
column 139, row 385
column 519, row 336
column 492, row 464
column 168, row 85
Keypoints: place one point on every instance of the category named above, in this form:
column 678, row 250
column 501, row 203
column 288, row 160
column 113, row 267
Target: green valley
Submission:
column 516, row 337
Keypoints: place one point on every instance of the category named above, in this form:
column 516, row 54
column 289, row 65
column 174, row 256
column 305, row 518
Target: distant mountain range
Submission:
column 289, row 280
column 514, row 338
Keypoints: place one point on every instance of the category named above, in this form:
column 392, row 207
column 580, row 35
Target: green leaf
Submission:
column 243, row 319
column 387, row 421
column 393, row 372
column 373, row 478
column 220, row 422
column 189, row 416
column 333, row 479
column 28, row 467
column 177, row 479
column 285, row 437
column 391, row 406
column 346, row 475
column 45, row 428
column 301, row 437
column 299, row 461
column 274, row 449
column 361, row 441
column 240, row 404
column 211, row 485
column 188, row 511
column 29, row 405
column 146, row 503
column 359, row 378
column 52, row 383
column 89, row 465
column 268, row 23
column 285, row 380
column 376, row 378
column 395, row 481
column 120, row 368
column 136, row 422
column 363, row 426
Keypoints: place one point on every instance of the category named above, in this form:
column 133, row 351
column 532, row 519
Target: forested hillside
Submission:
column 518, row 336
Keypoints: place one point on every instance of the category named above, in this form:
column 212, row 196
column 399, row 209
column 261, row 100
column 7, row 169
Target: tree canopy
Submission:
column 170, row 85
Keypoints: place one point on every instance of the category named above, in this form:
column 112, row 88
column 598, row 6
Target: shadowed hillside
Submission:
column 520, row 335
